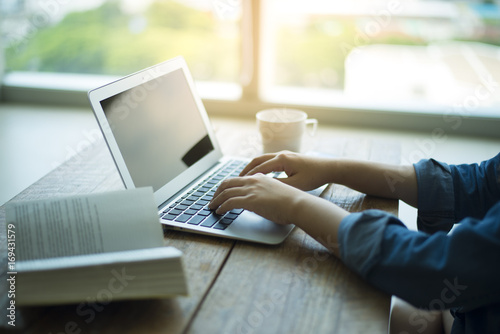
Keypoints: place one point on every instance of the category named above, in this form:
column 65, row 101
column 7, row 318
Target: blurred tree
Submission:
column 106, row 40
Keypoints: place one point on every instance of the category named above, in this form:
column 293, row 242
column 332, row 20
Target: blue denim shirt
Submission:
column 431, row 268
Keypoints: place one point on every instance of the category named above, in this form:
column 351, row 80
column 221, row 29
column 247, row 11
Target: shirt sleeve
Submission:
column 449, row 193
column 476, row 188
column 435, row 196
column 438, row 271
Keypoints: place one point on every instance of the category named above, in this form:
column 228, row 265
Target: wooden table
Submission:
column 235, row 287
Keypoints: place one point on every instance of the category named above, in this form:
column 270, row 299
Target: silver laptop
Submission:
column 159, row 135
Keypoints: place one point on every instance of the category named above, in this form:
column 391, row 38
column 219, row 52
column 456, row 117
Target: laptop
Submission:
column 159, row 136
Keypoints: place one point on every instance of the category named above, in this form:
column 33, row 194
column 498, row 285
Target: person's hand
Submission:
column 281, row 204
column 304, row 172
column 258, row 193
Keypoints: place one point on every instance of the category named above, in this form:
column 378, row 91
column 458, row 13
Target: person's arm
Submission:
column 436, row 270
column 378, row 179
column 288, row 205
column 431, row 271
column 450, row 193
column 307, row 173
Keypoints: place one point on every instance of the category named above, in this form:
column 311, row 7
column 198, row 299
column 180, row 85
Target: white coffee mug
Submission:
column 283, row 129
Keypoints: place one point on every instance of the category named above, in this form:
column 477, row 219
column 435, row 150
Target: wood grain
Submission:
column 235, row 287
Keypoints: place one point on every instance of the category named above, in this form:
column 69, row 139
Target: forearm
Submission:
column 377, row 179
column 319, row 218
column 307, row 173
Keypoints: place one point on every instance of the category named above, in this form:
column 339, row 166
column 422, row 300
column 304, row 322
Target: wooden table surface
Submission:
column 234, row 286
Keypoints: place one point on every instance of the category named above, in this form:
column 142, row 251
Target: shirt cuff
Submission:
column 360, row 239
column 436, row 204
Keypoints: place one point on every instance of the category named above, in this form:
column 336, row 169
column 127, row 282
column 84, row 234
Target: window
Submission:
column 392, row 55
column 401, row 53
column 119, row 37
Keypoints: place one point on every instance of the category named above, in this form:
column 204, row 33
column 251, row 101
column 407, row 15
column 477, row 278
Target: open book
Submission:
column 91, row 248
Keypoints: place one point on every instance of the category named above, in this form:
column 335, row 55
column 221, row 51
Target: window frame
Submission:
column 71, row 90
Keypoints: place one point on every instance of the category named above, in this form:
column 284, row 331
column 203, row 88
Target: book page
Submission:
column 117, row 258
column 88, row 224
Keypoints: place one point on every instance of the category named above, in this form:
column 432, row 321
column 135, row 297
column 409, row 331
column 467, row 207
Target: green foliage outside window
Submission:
column 105, row 40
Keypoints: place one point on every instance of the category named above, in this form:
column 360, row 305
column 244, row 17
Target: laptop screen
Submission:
column 158, row 129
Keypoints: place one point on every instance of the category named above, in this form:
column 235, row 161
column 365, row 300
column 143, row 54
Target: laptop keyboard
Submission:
column 192, row 209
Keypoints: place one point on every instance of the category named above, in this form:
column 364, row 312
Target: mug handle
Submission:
column 314, row 123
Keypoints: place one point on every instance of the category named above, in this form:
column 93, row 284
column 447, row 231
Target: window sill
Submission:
column 338, row 99
column 225, row 99
column 63, row 88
